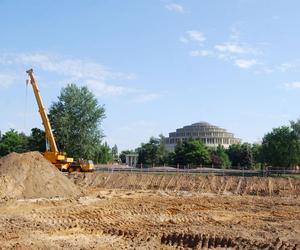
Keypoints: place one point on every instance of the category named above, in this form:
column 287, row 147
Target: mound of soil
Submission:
column 261, row 186
column 30, row 175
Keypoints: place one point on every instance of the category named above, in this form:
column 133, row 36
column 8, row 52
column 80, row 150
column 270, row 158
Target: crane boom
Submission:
column 44, row 116
column 59, row 159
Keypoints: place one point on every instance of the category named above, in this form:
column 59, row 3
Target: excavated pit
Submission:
column 142, row 211
column 229, row 185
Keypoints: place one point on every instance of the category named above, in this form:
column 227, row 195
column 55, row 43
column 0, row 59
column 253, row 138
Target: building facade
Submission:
column 210, row 135
column 131, row 160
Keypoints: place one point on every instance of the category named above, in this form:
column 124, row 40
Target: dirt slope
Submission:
column 203, row 184
column 30, row 175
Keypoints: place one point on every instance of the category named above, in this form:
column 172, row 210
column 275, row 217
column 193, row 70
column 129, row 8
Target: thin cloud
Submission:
column 284, row 67
column 96, row 76
column 293, row 85
column 7, row 80
column 70, row 67
column 245, row 64
column 195, row 35
column 233, row 51
column 147, row 97
column 175, row 7
column 103, row 89
column 292, row 66
column 201, row 53
column 183, row 39
column 232, row 48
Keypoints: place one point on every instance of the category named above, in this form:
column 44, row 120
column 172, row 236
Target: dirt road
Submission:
column 151, row 219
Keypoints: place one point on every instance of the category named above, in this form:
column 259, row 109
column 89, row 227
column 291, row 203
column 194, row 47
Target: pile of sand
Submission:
column 30, row 175
column 261, row 186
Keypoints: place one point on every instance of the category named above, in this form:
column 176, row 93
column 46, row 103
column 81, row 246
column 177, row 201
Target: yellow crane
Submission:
column 59, row 159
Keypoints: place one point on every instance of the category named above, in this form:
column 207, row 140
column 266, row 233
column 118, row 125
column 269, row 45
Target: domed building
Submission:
column 210, row 135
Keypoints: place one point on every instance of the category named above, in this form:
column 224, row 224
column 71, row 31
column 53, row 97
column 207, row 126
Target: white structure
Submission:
column 210, row 135
column 131, row 160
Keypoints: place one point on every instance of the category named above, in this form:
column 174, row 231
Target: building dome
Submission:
column 201, row 124
column 209, row 134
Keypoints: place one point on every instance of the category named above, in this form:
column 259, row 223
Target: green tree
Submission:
column 219, row 157
column 234, row 153
column 104, row 154
column 192, row 152
column 257, row 155
column 295, row 126
column 37, row 140
column 280, row 147
column 76, row 118
column 246, row 155
column 163, row 153
column 13, row 141
column 114, row 152
column 240, row 155
column 295, row 137
column 195, row 152
column 170, row 159
column 179, row 154
column 148, row 153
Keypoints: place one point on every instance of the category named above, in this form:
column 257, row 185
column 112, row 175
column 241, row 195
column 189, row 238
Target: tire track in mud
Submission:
column 121, row 221
column 99, row 220
column 157, row 220
column 134, row 222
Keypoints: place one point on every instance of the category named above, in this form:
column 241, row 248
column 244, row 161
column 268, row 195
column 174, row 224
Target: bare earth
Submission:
column 157, row 215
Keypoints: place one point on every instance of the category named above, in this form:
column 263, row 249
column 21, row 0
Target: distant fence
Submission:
column 200, row 170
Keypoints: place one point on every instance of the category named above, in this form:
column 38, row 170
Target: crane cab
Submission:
column 59, row 160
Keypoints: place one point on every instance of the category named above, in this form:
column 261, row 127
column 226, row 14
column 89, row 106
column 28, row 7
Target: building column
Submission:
column 134, row 161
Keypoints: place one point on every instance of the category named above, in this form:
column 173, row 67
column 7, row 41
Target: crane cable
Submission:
column 25, row 107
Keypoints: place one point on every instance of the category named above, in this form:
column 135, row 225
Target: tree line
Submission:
column 76, row 119
column 14, row 141
column 279, row 148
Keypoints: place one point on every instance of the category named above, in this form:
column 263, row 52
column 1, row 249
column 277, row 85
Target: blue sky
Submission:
column 156, row 65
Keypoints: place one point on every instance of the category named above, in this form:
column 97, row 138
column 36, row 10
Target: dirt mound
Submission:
column 261, row 186
column 30, row 175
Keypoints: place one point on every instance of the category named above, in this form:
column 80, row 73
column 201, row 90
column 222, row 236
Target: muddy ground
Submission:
column 137, row 217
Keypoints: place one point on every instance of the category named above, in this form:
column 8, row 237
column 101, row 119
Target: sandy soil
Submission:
column 30, row 175
column 258, row 186
column 151, row 219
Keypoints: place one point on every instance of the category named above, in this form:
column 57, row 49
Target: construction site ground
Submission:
column 154, row 216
